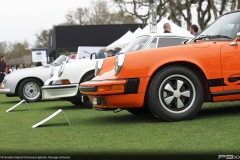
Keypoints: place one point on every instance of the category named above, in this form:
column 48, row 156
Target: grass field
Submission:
column 214, row 131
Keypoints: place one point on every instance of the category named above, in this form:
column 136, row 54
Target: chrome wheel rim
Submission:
column 177, row 93
column 31, row 90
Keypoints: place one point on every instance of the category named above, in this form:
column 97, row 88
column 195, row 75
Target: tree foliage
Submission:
column 42, row 39
column 179, row 11
column 13, row 50
column 98, row 13
column 130, row 11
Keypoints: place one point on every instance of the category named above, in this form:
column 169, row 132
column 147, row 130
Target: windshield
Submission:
column 60, row 60
column 136, row 44
column 224, row 28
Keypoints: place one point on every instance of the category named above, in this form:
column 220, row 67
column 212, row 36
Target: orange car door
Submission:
column 230, row 61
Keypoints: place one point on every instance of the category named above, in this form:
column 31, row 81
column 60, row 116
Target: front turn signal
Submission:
column 110, row 88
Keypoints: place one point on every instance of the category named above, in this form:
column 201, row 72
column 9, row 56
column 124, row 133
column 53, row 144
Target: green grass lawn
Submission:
column 215, row 130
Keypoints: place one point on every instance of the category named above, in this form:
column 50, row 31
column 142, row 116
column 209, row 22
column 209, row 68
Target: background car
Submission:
column 66, row 79
column 173, row 82
column 26, row 83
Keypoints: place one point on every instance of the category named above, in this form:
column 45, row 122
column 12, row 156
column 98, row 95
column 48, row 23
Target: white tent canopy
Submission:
column 146, row 30
column 125, row 39
column 120, row 40
column 134, row 35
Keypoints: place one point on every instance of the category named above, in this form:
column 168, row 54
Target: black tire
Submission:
column 78, row 99
column 90, row 76
column 175, row 93
column 30, row 90
column 11, row 95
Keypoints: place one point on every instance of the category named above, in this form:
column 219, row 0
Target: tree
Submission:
column 17, row 49
column 42, row 39
column 178, row 10
column 97, row 14
column 4, row 48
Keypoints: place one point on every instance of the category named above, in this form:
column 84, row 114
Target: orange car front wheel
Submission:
column 175, row 93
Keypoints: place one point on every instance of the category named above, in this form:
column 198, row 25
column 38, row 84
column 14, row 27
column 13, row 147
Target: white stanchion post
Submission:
column 18, row 105
column 50, row 117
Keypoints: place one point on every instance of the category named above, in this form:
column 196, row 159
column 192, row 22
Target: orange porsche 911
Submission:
column 172, row 82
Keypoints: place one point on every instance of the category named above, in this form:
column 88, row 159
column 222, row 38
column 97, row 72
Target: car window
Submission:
column 164, row 42
column 153, row 44
column 136, row 45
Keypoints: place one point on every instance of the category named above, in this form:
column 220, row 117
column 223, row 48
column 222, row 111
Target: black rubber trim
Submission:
column 88, row 88
column 226, row 93
column 131, row 85
column 60, row 87
column 216, row 82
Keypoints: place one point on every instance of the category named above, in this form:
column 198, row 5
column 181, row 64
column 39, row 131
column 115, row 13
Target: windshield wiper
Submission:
column 211, row 37
column 202, row 37
column 220, row 36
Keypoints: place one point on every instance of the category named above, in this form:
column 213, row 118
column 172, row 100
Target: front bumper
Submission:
column 118, row 101
column 131, row 96
column 59, row 91
column 5, row 91
column 91, row 87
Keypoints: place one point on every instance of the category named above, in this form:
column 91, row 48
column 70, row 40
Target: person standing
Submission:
column 101, row 53
column 3, row 66
column 194, row 29
column 116, row 50
column 167, row 28
column 38, row 64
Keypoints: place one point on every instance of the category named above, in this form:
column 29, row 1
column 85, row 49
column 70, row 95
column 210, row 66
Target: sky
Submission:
column 22, row 19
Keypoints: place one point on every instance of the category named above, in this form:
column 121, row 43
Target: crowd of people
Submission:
column 193, row 29
column 167, row 29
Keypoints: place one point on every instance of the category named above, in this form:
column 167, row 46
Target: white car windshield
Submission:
column 136, row 45
column 60, row 60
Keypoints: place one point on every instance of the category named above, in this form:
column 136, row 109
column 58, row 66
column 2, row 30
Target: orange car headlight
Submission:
column 110, row 88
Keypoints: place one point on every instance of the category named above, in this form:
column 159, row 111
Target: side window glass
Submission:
column 153, row 44
column 164, row 42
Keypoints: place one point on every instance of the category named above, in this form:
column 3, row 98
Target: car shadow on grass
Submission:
column 205, row 113
column 9, row 102
column 222, row 111
column 117, row 119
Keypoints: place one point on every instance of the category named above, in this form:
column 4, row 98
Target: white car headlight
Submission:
column 5, row 78
column 52, row 72
column 118, row 63
column 98, row 66
column 61, row 69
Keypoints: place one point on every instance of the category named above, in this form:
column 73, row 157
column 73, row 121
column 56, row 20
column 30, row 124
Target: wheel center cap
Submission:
column 177, row 94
